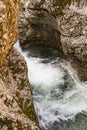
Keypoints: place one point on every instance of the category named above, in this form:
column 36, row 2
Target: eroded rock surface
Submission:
column 61, row 24
column 8, row 26
column 16, row 106
column 73, row 28
column 37, row 27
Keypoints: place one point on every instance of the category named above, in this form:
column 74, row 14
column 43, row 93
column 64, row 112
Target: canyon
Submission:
column 53, row 40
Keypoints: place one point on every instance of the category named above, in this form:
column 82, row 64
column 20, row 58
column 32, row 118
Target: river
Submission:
column 60, row 99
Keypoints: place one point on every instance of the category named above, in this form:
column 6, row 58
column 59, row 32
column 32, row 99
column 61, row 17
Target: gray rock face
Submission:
column 16, row 106
column 37, row 27
column 73, row 28
column 58, row 24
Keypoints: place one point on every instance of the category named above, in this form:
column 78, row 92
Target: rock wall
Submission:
column 61, row 24
column 8, row 26
column 16, row 106
column 73, row 27
column 37, row 27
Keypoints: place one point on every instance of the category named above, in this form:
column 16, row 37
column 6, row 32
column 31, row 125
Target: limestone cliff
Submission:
column 61, row 24
column 8, row 26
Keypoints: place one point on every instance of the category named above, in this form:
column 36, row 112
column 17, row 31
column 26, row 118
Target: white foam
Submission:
column 46, row 79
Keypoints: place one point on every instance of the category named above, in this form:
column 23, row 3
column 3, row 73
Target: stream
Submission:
column 60, row 99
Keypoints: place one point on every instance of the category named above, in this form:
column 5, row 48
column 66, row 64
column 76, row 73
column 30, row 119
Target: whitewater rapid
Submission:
column 57, row 92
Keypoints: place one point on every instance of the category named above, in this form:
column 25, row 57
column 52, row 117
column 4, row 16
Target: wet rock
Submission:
column 81, row 69
column 16, row 106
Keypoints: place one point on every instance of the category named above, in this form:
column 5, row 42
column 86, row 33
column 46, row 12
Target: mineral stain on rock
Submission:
column 8, row 26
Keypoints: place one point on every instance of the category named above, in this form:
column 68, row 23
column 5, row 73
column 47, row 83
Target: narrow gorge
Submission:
column 43, row 77
column 53, row 40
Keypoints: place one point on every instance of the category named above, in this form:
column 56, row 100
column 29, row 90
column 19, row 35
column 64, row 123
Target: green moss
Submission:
column 19, row 125
column 22, row 84
column 63, row 3
column 30, row 112
column 58, row 6
column 27, row 109
column 6, row 122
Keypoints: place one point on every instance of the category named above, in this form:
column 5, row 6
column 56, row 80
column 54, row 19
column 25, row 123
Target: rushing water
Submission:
column 60, row 99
